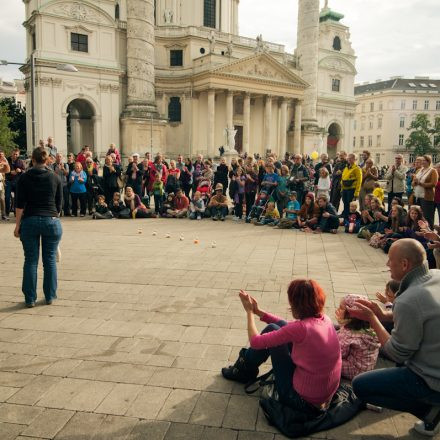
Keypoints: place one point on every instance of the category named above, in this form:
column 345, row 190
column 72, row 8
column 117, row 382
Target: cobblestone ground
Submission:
column 133, row 347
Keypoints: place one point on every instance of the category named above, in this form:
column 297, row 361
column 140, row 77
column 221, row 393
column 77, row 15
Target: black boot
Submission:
column 240, row 372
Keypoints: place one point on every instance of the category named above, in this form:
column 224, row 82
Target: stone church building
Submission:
column 174, row 75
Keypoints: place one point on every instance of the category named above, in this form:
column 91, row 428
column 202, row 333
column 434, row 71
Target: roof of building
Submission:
column 400, row 84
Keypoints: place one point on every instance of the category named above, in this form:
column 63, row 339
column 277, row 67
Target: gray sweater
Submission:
column 415, row 339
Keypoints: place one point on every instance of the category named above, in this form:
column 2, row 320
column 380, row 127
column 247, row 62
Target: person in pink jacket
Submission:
column 305, row 353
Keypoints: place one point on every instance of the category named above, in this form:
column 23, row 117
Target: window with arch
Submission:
column 336, row 85
column 117, row 11
column 337, row 43
column 175, row 109
column 209, row 13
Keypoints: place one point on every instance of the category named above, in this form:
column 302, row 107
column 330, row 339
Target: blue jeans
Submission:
column 49, row 231
column 347, row 197
column 396, row 388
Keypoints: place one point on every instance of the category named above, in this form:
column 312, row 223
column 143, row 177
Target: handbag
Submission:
column 347, row 184
column 121, row 182
column 265, row 383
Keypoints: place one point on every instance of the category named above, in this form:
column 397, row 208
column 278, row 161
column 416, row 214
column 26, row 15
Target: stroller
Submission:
column 259, row 207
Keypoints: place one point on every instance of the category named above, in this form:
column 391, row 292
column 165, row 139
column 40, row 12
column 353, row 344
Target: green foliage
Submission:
column 424, row 137
column 7, row 136
column 17, row 123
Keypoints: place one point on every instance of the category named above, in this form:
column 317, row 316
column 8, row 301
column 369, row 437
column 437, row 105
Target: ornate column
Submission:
column 229, row 109
column 140, row 59
column 246, row 121
column 267, row 123
column 211, row 123
column 283, row 128
column 297, row 129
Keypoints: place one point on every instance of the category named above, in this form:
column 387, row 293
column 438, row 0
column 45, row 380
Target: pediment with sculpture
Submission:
column 337, row 63
column 261, row 67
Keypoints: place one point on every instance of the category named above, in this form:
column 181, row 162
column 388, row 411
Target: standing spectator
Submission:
column 240, row 180
column 396, row 180
column 324, row 163
column 113, row 150
column 81, row 158
column 324, row 183
column 287, row 161
column 111, row 173
column 335, row 194
column 351, row 182
column 251, row 185
column 38, row 202
column 78, row 190
column 409, row 178
column 62, row 170
column 221, row 175
column 158, row 194
column 282, row 191
column 173, row 182
column 71, row 162
column 424, row 184
column 17, row 167
column 298, row 176
column 157, row 167
column 414, row 385
column 365, row 155
column 4, row 169
column 135, row 174
column 186, row 176
column 369, row 179
column 51, row 149
column 92, row 174
column 437, row 192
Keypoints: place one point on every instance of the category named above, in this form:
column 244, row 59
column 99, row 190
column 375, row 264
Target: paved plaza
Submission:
column 133, row 347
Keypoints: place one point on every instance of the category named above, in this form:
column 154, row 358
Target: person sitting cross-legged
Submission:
column 180, row 205
column 328, row 220
column 102, row 211
column 218, row 205
column 414, row 385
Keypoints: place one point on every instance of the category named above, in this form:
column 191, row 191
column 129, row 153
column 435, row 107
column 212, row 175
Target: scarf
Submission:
column 90, row 169
column 130, row 202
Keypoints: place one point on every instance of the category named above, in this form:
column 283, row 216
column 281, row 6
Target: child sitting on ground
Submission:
column 117, row 207
column 258, row 207
column 101, row 209
column 378, row 192
column 359, row 343
column 196, row 207
column 353, row 222
column 271, row 216
column 291, row 211
column 167, row 205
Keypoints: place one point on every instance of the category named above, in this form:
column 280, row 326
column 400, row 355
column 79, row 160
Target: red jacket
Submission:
column 181, row 203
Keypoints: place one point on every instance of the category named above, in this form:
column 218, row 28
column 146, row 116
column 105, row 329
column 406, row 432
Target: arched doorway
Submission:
column 333, row 138
column 80, row 125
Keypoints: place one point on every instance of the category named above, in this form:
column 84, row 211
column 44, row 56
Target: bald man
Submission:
column 414, row 343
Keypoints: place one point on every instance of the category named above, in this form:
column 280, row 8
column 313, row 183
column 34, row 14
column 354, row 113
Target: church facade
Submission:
column 175, row 76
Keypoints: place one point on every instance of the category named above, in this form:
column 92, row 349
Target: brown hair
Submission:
column 39, row 156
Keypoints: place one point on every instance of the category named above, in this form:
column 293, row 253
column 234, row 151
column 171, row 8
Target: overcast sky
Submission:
column 390, row 37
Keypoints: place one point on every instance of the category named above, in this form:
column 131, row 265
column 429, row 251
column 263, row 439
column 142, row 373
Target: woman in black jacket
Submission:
column 221, row 175
column 110, row 176
column 38, row 204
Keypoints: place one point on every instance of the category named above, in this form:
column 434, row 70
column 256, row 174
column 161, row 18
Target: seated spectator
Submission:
column 180, row 205
column 137, row 208
column 291, row 211
column 167, row 205
column 218, row 204
column 365, row 213
column 308, row 214
column 102, row 211
column 271, row 216
column 387, row 299
column 328, row 219
column 379, row 192
column 377, row 220
column 414, row 385
column 158, row 194
column 117, row 207
column 353, row 223
column 359, row 343
column 196, row 207
column 301, row 381
column 258, row 207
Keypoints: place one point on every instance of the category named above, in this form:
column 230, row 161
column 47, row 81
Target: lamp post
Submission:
column 31, row 63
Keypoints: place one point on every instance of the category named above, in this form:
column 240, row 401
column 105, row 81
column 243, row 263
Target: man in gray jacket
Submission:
column 414, row 344
column 396, row 180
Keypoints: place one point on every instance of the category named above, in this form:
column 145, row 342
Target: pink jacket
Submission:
column 359, row 351
column 315, row 353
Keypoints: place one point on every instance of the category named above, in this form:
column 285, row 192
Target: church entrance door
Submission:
column 80, row 125
column 239, row 138
column 333, row 138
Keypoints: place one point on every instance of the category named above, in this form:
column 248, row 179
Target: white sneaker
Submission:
column 420, row 428
column 236, row 219
column 58, row 256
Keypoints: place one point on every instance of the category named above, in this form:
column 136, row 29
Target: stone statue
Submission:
column 211, row 40
column 326, row 4
column 168, row 16
column 230, row 48
column 261, row 46
column 230, row 134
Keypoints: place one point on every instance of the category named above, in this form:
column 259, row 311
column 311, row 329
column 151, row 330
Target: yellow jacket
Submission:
column 352, row 179
column 379, row 193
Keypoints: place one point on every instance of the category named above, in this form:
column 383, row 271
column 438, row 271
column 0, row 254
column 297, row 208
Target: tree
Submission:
column 7, row 136
column 17, row 114
column 424, row 137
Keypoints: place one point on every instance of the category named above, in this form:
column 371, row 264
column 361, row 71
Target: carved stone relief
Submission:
column 78, row 11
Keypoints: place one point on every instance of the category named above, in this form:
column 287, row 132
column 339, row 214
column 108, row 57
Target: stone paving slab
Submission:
column 133, row 347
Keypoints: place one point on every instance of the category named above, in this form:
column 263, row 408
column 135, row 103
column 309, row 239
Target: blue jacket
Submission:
column 76, row 186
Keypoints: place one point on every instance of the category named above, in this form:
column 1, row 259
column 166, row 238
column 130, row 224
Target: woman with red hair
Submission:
column 305, row 353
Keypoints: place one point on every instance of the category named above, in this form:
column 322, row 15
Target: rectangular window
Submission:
column 371, row 125
column 34, row 41
column 378, row 140
column 415, row 104
column 354, row 142
column 354, row 124
column 437, row 105
column 434, row 158
column 371, row 106
column 79, row 42
column 380, row 106
column 426, row 105
column 176, row 58
column 401, row 139
column 362, row 142
column 209, row 13
column 412, row 158
column 336, row 85
column 402, row 105
column 379, row 123
column 402, row 122
column 175, row 109
column 377, row 158
column 370, row 141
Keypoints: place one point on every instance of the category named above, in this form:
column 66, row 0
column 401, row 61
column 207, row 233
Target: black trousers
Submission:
column 82, row 198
